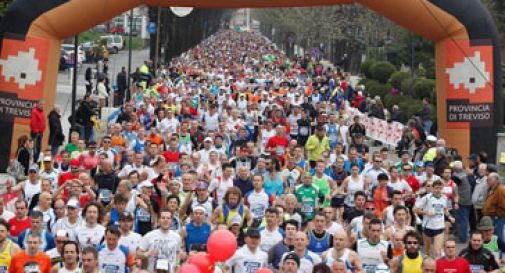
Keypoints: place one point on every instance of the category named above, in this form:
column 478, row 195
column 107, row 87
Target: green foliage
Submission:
column 137, row 43
column 390, row 100
column 381, row 71
column 378, row 89
column 400, row 52
column 407, row 86
column 424, row 88
column 410, row 106
column 366, row 67
column 397, row 79
column 4, row 5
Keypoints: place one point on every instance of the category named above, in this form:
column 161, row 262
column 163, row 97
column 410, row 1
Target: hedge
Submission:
column 366, row 67
column 381, row 71
column 397, row 78
column 424, row 88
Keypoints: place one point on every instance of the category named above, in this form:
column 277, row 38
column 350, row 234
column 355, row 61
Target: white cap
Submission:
column 47, row 159
column 145, row 183
column 431, row 138
column 207, row 139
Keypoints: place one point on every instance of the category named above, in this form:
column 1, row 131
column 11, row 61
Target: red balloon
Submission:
column 189, row 268
column 203, row 261
column 221, row 245
column 264, row 270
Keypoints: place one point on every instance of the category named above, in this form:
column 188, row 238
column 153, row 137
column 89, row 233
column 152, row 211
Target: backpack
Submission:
column 16, row 170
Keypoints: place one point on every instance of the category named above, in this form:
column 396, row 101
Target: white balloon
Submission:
column 181, row 11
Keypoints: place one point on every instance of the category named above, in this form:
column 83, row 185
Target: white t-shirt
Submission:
column 258, row 204
column 430, row 203
column 245, row 261
column 7, row 215
column 269, row 239
column 168, row 245
column 334, row 228
column 370, row 254
column 400, row 185
column 87, row 236
column 64, row 224
column 131, row 241
column 220, row 186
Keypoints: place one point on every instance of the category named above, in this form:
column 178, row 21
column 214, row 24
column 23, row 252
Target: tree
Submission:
column 4, row 5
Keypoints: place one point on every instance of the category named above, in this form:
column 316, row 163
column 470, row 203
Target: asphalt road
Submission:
column 64, row 87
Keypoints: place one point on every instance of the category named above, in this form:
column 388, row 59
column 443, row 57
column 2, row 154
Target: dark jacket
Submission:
column 121, row 81
column 56, row 136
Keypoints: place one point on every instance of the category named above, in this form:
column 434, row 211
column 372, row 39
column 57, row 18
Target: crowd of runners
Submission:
column 235, row 135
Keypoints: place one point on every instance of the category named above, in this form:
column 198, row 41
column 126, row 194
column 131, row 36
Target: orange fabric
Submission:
column 155, row 139
column 20, row 259
column 379, row 200
column 117, row 141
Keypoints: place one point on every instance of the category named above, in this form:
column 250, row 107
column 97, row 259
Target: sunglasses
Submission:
column 407, row 170
column 412, row 242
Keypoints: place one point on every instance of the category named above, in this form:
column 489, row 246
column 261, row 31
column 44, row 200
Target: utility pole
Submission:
column 74, row 76
column 128, row 83
column 156, row 54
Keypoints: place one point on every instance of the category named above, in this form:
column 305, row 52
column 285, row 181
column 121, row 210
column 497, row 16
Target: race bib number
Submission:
column 279, row 150
column 143, row 215
column 251, row 267
column 110, row 268
column 306, row 208
column 105, row 195
column 476, row 268
column 333, row 137
column 258, row 211
column 369, row 268
column 304, row 131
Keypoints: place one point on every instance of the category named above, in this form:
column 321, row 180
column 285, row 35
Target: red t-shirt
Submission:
column 279, row 144
column 459, row 265
column 88, row 162
column 18, row 226
column 67, row 176
column 171, row 157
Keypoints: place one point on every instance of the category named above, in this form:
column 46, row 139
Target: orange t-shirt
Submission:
column 155, row 139
column 118, row 141
column 19, row 260
column 380, row 203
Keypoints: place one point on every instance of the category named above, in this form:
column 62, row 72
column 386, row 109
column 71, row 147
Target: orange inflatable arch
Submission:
column 468, row 69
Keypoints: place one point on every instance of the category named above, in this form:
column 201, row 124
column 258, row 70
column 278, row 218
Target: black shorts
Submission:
column 433, row 232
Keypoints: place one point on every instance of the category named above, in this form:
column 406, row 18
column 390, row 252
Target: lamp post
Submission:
column 128, row 84
column 74, row 77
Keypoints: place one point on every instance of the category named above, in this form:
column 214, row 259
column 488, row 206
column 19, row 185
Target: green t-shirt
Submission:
column 324, row 187
column 70, row 148
column 308, row 197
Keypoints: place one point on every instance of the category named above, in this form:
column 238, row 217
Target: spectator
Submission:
column 37, row 127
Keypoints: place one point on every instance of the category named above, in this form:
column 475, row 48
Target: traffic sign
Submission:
column 151, row 28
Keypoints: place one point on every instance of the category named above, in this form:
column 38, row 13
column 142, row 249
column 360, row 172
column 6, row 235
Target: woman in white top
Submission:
column 352, row 184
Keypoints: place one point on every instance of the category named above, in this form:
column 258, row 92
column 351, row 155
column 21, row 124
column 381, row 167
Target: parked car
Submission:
column 114, row 43
column 69, row 49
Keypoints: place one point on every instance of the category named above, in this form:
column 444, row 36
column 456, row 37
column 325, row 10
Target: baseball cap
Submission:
column 236, row 220
column 369, row 203
column 431, row 138
column 125, row 216
column 73, row 204
column 202, row 186
column 292, row 256
column 162, row 264
column 106, row 138
column 207, row 139
column 145, row 183
column 75, row 163
column 429, row 164
column 253, row 232
column 34, row 167
column 47, row 159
